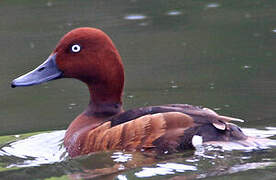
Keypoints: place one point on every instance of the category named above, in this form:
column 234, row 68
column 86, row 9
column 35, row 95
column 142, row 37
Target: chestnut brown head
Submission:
column 87, row 54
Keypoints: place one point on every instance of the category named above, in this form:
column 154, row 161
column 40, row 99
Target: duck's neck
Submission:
column 105, row 99
column 103, row 110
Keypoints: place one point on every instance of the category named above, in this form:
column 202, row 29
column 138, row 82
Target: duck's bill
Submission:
column 45, row 72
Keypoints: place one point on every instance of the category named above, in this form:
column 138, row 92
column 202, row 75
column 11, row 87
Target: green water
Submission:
column 218, row 54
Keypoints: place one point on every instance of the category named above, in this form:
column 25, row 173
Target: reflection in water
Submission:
column 226, row 168
column 143, row 24
column 49, row 4
column 235, row 169
column 135, row 17
column 164, row 169
column 258, row 140
column 266, row 133
column 121, row 177
column 212, row 5
column 246, row 67
column 44, row 148
column 32, row 45
column 247, row 166
column 121, row 157
column 174, row 13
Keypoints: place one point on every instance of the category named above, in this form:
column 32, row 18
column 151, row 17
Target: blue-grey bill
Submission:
column 45, row 72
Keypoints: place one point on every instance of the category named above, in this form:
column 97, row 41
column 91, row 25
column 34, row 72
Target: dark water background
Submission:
column 218, row 54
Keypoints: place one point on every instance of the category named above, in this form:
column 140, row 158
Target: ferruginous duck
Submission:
column 90, row 56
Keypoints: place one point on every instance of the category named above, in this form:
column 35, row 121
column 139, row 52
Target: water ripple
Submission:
column 164, row 169
column 44, row 148
column 135, row 17
column 174, row 13
column 213, row 5
column 121, row 157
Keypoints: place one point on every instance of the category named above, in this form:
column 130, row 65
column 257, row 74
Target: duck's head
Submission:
column 87, row 54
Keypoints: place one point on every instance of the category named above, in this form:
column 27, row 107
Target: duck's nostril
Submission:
column 41, row 69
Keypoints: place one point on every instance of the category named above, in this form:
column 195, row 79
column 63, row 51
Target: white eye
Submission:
column 76, row 48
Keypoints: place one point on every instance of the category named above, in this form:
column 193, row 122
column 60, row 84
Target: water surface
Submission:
column 218, row 54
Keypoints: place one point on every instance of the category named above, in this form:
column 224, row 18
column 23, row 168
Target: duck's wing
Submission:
column 166, row 128
column 137, row 134
column 201, row 115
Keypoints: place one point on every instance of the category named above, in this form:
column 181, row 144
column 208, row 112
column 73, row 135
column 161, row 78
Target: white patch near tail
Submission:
column 197, row 140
